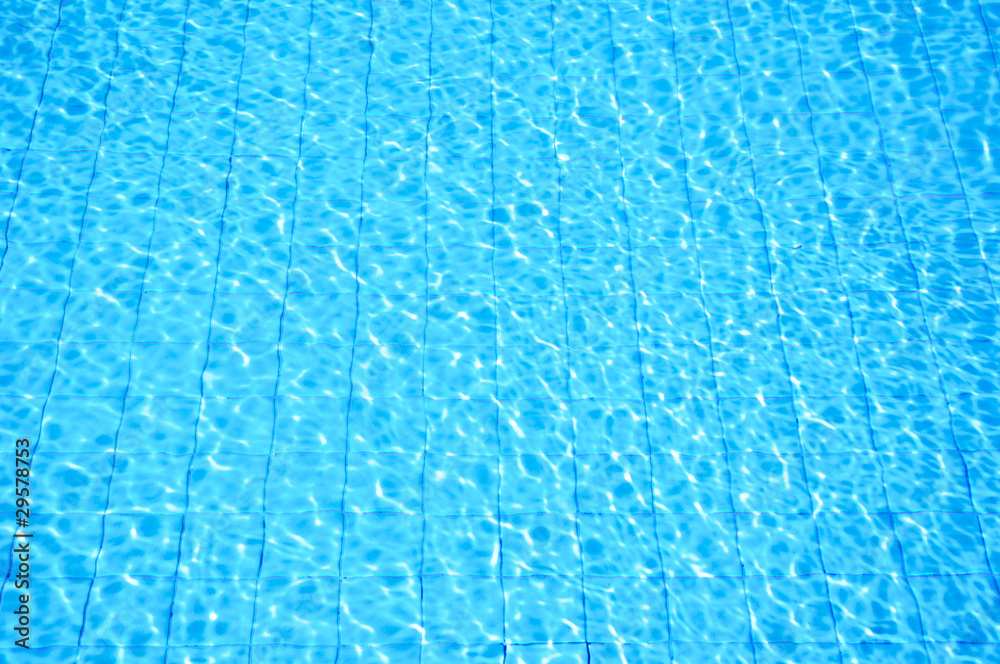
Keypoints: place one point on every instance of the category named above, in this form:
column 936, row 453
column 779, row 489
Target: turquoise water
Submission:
column 472, row 331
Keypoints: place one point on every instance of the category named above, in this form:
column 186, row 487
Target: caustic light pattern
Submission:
column 493, row 331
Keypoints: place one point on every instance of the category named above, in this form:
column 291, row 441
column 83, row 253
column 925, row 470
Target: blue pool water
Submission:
column 492, row 331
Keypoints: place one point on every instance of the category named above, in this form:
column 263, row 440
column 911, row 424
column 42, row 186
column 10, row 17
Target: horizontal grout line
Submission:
column 575, row 117
column 702, row 343
column 505, row 296
column 511, row 514
column 673, row 454
column 483, row 204
column 489, row 644
column 459, row 397
column 687, row 246
column 421, row 38
column 552, row 575
column 406, row 638
column 437, row 79
column 563, row 159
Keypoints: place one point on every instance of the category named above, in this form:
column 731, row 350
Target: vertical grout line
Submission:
column 423, row 358
column 979, row 243
column 906, row 241
column 565, row 297
column 27, row 146
column 496, row 332
column 281, row 332
column 208, row 344
column 638, row 336
column 850, row 315
column 781, row 340
column 996, row 71
column 354, row 339
column 930, row 337
column 135, row 328
column 3, row 257
column 713, row 362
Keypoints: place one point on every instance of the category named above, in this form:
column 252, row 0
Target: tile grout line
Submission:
column 423, row 357
column 566, row 336
column 278, row 348
column 784, row 353
column 496, row 337
column 354, row 341
column 716, row 401
column 204, row 369
column 638, row 338
column 996, row 303
column 114, row 452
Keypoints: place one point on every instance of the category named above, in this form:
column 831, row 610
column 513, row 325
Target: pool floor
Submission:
column 494, row 331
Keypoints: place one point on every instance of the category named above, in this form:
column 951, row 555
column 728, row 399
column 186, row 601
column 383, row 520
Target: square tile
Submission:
column 463, row 610
column 467, row 545
column 536, row 544
column 706, row 609
column 378, row 610
column 941, row 543
column 301, row 611
column 778, row 545
column 544, row 608
column 958, row 607
column 616, row 545
column 540, row 484
column 614, row 484
column 856, row 544
column 633, row 609
column 791, row 609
